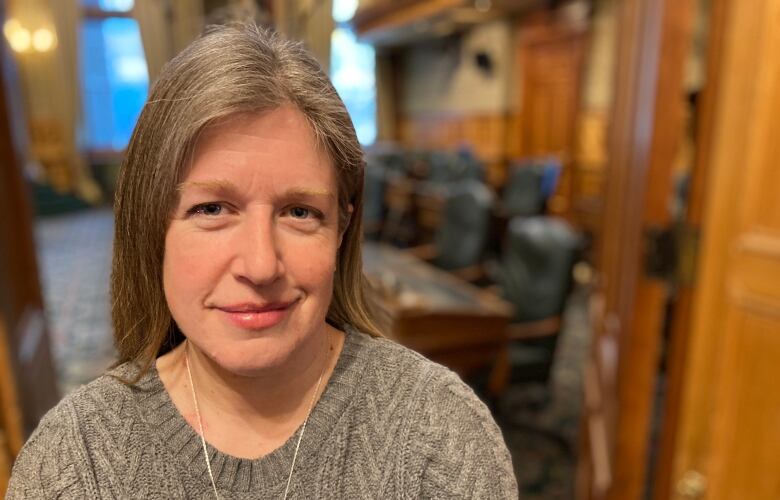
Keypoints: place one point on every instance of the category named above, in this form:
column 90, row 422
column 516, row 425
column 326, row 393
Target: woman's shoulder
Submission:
column 111, row 392
column 396, row 365
column 106, row 400
column 467, row 453
column 384, row 359
column 55, row 459
column 451, row 426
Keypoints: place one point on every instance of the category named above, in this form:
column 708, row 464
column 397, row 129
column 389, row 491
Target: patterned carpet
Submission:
column 74, row 252
column 74, row 255
column 545, row 465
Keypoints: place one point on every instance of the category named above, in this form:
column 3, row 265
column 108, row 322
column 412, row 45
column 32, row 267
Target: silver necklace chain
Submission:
column 203, row 438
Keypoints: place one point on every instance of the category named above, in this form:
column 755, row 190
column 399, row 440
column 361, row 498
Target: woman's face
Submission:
column 250, row 252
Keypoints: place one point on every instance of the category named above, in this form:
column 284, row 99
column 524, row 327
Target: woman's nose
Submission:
column 258, row 258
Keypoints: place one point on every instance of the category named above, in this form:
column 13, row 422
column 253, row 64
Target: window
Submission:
column 352, row 71
column 114, row 76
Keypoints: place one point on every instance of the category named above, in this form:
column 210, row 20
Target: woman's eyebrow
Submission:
column 310, row 192
column 225, row 187
column 217, row 186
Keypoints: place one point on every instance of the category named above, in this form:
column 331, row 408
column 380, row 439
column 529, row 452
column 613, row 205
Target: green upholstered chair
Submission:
column 374, row 210
column 461, row 237
column 459, row 242
column 523, row 192
column 536, row 277
column 450, row 166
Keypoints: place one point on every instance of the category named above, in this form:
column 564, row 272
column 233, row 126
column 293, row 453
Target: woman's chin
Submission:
column 249, row 361
column 236, row 352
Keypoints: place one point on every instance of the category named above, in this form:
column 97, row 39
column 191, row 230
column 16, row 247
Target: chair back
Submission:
column 373, row 199
column 537, row 262
column 461, row 237
column 470, row 167
column 441, row 167
column 447, row 167
column 523, row 193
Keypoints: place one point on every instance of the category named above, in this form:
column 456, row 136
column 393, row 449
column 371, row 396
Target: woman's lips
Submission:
column 250, row 317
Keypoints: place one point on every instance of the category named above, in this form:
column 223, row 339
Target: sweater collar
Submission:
column 268, row 473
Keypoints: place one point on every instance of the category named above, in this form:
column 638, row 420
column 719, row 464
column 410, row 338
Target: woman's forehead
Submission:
column 275, row 123
column 253, row 150
column 279, row 134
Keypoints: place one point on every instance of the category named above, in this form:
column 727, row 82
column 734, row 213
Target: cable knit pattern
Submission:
column 390, row 424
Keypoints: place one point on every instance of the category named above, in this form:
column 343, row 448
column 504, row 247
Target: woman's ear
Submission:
column 343, row 230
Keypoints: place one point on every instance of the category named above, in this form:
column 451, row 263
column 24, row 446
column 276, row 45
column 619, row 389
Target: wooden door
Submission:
column 550, row 91
column 550, row 61
column 727, row 428
column 27, row 383
column 628, row 306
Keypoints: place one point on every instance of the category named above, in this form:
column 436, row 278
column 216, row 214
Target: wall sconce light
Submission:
column 18, row 36
column 22, row 40
column 43, row 40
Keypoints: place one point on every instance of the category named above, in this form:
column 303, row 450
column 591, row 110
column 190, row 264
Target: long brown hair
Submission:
column 239, row 68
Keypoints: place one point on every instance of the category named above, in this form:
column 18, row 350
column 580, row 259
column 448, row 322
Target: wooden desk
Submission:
column 434, row 313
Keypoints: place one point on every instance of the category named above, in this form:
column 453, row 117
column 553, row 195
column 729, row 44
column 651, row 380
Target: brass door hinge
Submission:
column 671, row 253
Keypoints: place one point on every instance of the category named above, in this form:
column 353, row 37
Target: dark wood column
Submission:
column 27, row 377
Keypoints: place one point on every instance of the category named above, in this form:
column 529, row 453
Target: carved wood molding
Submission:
column 383, row 16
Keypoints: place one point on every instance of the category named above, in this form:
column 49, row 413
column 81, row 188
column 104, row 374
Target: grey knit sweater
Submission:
column 390, row 424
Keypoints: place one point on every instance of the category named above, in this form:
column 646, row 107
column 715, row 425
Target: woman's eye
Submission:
column 300, row 212
column 210, row 209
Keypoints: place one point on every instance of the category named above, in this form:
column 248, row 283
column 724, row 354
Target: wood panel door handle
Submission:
column 692, row 485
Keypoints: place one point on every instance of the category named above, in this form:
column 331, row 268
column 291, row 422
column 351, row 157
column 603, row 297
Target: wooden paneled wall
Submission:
column 589, row 169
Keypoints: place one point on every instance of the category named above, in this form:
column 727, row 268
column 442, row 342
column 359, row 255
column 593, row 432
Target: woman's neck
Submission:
column 277, row 390
column 250, row 416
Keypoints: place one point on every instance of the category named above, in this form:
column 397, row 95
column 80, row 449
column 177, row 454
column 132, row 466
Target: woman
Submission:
column 249, row 362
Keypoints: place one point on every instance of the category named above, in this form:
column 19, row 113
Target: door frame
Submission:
column 628, row 304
